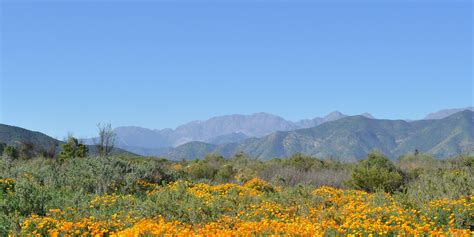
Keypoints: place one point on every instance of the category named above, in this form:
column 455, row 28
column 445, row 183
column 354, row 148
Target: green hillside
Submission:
column 11, row 135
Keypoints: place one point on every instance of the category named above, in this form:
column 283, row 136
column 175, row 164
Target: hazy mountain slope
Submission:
column 446, row 112
column 217, row 130
column 309, row 123
column 190, row 151
column 353, row 137
column 139, row 137
column 255, row 125
column 227, row 138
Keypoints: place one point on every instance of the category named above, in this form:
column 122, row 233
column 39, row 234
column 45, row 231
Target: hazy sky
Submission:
column 67, row 66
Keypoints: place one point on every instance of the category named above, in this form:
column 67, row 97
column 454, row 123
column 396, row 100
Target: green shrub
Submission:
column 10, row 153
column 414, row 165
column 444, row 183
column 73, row 149
column 225, row 174
column 200, row 170
column 376, row 173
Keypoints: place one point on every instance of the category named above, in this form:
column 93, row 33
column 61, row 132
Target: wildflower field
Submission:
column 255, row 208
column 68, row 200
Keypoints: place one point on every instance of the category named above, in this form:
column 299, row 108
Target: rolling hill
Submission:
column 12, row 135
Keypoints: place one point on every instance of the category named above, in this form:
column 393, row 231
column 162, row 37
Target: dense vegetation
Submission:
column 301, row 195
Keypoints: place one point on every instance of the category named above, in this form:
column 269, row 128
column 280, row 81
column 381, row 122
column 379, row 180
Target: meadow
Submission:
column 296, row 196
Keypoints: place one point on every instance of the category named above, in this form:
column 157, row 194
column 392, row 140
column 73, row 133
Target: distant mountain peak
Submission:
column 334, row 113
column 264, row 114
column 368, row 115
column 333, row 116
column 447, row 112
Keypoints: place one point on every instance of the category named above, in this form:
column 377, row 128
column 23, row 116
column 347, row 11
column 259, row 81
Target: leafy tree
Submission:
column 376, row 172
column 73, row 149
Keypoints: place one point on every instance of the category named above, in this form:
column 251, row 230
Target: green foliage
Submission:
column 29, row 197
column 10, row 153
column 2, row 147
column 26, row 149
column 446, row 182
column 213, row 168
column 73, row 149
column 414, row 165
column 136, row 184
column 225, row 174
column 40, row 184
column 302, row 162
column 376, row 172
column 201, row 170
column 462, row 162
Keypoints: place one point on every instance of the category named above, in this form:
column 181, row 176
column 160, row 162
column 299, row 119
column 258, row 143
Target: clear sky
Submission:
column 67, row 65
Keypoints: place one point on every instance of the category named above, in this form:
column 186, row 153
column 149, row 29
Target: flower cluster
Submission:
column 7, row 185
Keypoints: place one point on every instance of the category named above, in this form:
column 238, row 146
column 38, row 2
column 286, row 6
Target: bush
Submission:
column 73, row 149
column 225, row 174
column 10, row 153
column 444, row 183
column 200, row 170
column 376, row 172
column 302, row 162
column 2, row 147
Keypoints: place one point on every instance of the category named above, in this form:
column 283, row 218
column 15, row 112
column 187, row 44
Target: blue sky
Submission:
column 67, row 66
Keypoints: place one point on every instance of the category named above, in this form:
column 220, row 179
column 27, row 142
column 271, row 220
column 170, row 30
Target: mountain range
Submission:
column 224, row 129
column 351, row 138
column 261, row 135
column 217, row 130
